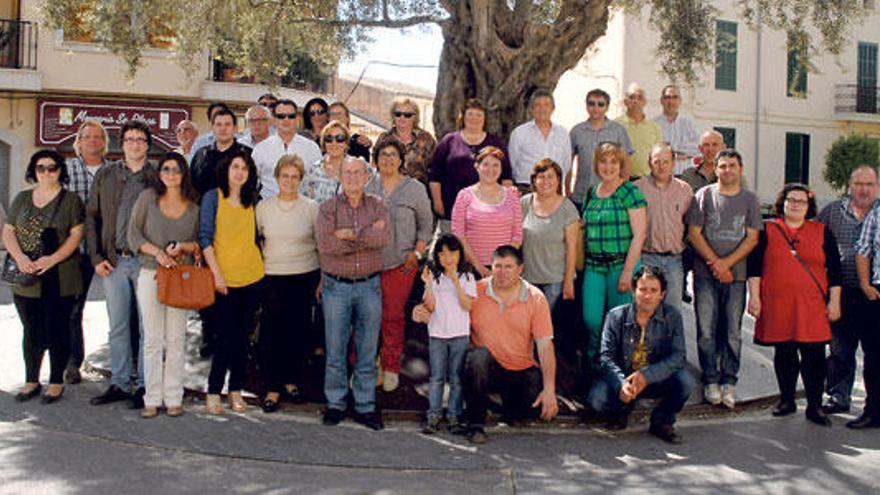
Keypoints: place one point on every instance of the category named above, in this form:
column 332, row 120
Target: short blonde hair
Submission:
column 290, row 161
column 612, row 149
column 97, row 125
column 406, row 100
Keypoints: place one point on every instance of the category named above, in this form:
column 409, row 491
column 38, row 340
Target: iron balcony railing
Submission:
column 857, row 98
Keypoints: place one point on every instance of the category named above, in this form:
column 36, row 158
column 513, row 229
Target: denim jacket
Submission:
column 664, row 338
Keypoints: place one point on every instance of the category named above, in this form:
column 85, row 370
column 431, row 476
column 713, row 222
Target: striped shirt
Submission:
column 81, row 183
column 868, row 244
column 666, row 210
column 840, row 219
column 487, row 226
column 607, row 222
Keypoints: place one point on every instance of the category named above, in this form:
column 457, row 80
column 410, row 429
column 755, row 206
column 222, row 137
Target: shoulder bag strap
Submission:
column 791, row 244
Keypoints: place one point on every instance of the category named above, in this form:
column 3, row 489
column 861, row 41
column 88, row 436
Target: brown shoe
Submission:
column 213, row 404
column 149, row 412
column 174, row 411
column 236, row 402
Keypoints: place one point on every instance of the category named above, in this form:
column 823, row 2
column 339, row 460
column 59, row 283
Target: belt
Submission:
column 605, row 257
column 124, row 252
column 345, row 280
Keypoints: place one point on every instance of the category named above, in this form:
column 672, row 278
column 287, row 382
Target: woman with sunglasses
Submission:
column 164, row 229
column 359, row 144
column 315, row 117
column 794, row 280
column 418, row 143
column 322, row 178
column 42, row 232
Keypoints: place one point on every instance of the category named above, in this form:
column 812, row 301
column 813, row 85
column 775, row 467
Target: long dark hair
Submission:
column 249, row 190
column 187, row 190
column 452, row 243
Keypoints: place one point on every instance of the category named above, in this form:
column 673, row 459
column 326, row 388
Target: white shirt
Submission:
column 527, row 146
column 269, row 150
column 682, row 135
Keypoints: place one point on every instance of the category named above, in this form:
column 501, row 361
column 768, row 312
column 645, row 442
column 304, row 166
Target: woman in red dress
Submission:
column 794, row 293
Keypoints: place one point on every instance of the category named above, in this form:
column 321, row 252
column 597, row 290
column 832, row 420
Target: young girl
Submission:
column 450, row 287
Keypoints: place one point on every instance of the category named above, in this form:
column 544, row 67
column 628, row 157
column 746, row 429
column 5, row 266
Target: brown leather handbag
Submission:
column 186, row 286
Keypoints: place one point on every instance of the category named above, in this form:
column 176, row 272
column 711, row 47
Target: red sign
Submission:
column 59, row 119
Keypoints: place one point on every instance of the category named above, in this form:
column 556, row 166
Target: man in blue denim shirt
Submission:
column 643, row 355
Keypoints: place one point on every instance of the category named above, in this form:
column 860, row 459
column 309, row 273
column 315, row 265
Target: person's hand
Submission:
column 871, row 292
column 174, row 249
column 549, row 407
column 318, row 290
column 411, row 262
column 104, row 268
column 568, row 290
column 624, row 283
column 364, row 141
column 720, row 267
column 626, row 393
column 345, row 234
column 754, row 307
column 25, row 264
column 438, row 209
column 220, row 284
column 379, row 224
column 421, row 314
column 43, row 264
column 483, row 271
column 164, row 259
column 833, row 311
column 427, row 277
column 638, row 382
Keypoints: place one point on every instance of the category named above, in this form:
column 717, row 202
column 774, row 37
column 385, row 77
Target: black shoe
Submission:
column 372, row 420
column 112, row 394
column 51, row 399
column 432, row 426
column 270, row 406
column 817, row 416
column 72, row 375
column 26, row 396
column 617, row 422
column 686, row 297
column 476, row 435
column 832, row 407
column 333, row 417
column 862, row 422
column 784, row 408
column 137, row 398
column 456, row 427
column 666, row 433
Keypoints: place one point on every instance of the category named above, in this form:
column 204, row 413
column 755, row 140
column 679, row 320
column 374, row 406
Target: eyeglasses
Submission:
column 282, row 116
column 258, row 119
column 796, row 202
column 669, row 97
column 137, row 140
column 596, row 103
column 407, row 115
column 317, row 111
column 336, row 138
column 47, row 169
column 389, row 154
column 170, row 170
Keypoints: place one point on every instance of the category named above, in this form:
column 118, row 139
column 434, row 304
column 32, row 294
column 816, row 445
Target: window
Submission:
column 797, row 157
column 796, row 82
column 866, row 78
column 725, row 55
column 729, row 135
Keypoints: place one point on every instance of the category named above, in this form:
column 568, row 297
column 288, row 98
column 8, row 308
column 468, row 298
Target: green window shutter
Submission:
column 725, row 55
column 729, row 135
column 797, row 157
column 796, row 80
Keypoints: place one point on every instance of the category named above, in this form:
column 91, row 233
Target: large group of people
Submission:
column 319, row 237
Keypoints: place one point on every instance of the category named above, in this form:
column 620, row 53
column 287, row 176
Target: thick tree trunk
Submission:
column 502, row 54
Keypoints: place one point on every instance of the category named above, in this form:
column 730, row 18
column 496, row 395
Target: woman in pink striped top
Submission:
column 487, row 215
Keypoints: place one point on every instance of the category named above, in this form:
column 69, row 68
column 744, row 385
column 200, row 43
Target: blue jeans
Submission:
column 119, row 290
column 672, row 392
column 345, row 305
column 553, row 293
column 447, row 363
column 672, row 269
column 719, row 311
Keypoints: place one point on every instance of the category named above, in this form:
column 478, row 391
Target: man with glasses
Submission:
column 678, row 130
column 114, row 192
column 206, row 160
column 285, row 142
column 588, row 135
column 186, row 133
column 352, row 229
column 537, row 139
column 643, row 133
column 258, row 120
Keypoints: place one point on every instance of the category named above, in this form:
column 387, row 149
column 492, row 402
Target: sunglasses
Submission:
column 317, row 111
column 282, row 116
column 407, row 115
column 47, row 169
column 596, row 103
column 170, row 170
column 336, row 138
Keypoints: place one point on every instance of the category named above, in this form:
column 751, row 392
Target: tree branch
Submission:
column 385, row 21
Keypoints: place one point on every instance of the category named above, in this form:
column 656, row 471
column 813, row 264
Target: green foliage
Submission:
column 847, row 153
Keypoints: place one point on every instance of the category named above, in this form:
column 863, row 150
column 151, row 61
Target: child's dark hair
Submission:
column 450, row 242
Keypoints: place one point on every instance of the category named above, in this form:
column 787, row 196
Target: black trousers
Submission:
column 235, row 319
column 287, row 331
column 46, row 327
column 483, row 374
column 811, row 366
column 77, row 344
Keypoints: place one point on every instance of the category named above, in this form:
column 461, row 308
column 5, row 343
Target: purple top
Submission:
column 453, row 166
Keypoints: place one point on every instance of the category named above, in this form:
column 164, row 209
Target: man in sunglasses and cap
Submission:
column 285, row 142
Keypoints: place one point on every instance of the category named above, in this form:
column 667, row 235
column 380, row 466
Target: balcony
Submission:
column 18, row 56
column 857, row 102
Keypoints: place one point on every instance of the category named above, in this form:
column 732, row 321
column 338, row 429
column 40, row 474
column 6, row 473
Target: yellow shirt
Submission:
column 234, row 246
column 643, row 136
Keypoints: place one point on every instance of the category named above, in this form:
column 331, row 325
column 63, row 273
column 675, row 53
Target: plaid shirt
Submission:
column 868, row 244
column 607, row 221
column 80, row 183
column 361, row 257
column 838, row 216
column 419, row 153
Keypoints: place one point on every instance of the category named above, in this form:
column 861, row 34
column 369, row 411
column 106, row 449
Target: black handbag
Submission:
column 11, row 273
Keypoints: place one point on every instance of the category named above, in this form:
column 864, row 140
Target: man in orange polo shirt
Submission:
column 509, row 318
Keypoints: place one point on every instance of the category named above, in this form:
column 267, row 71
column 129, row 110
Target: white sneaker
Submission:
column 390, row 381
column 728, row 398
column 712, row 394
